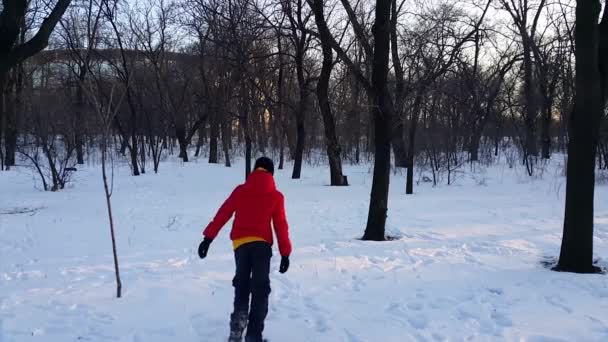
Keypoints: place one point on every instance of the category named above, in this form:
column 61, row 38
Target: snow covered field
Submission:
column 467, row 266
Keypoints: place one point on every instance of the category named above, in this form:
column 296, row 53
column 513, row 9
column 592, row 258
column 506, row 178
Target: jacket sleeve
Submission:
column 281, row 228
column 223, row 215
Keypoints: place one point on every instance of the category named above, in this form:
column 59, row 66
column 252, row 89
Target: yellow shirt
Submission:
column 248, row 239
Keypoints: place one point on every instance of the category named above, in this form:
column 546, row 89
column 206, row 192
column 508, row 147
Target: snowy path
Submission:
column 466, row 268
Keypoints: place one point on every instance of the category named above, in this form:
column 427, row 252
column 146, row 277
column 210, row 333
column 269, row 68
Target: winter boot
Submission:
column 255, row 339
column 238, row 322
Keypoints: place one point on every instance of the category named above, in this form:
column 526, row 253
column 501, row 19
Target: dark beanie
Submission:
column 265, row 163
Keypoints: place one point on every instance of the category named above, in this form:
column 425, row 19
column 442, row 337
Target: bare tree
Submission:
column 591, row 41
column 123, row 67
column 526, row 15
column 15, row 49
column 298, row 17
column 106, row 104
column 80, row 29
column 333, row 146
column 381, row 104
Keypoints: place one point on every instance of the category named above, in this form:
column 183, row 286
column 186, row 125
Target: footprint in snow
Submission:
column 557, row 301
column 496, row 291
column 356, row 284
column 418, row 321
column 207, row 329
column 415, row 306
column 465, row 315
column 351, row 338
column 501, row 319
column 438, row 337
column 319, row 321
column 420, row 294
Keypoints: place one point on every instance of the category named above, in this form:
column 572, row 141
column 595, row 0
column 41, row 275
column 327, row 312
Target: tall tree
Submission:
column 331, row 138
column 298, row 18
column 80, row 33
column 591, row 42
column 14, row 51
column 12, row 15
column 526, row 15
column 380, row 102
column 382, row 111
column 124, row 68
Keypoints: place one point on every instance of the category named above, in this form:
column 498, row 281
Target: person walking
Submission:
column 255, row 204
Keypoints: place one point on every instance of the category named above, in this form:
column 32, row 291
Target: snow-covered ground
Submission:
column 466, row 266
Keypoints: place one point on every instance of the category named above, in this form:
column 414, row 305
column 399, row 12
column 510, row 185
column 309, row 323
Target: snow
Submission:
column 466, row 266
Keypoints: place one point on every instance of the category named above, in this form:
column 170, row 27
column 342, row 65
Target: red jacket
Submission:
column 256, row 203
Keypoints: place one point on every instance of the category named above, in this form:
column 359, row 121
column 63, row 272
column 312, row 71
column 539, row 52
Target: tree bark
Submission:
column 300, row 129
column 244, row 118
column 180, row 132
column 331, row 138
column 530, row 105
column 300, row 45
column 546, row 132
column 2, row 120
column 78, row 125
column 11, row 19
column 200, row 141
column 474, row 146
column 110, row 216
column 215, row 131
column 10, row 130
column 398, row 142
column 383, row 118
column 411, row 146
column 576, row 253
column 226, row 142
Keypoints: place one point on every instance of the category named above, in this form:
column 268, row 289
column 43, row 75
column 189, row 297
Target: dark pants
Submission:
column 252, row 277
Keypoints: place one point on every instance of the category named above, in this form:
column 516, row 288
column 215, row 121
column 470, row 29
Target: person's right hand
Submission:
column 284, row 264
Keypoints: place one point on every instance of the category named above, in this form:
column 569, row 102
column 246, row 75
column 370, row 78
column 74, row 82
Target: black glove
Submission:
column 203, row 248
column 284, row 264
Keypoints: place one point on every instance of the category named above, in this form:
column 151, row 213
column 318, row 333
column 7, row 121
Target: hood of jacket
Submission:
column 260, row 181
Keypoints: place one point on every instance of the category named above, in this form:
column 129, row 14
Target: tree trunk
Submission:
column 2, row 121
column 530, row 105
column 280, row 126
column 399, row 149
column 300, row 129
column 497, row 137
column 79, row 116
column 546, row 132
column 331, row 139
column 577, row 244
column 10, row 131
column 531, row 148
column 299, row 149
column 142, row 153
column 180, row 132
column 108, row 194
column 248, row 144
column 474, row 146
column 225, row 143
column 202, row 134
column 12, row 20
column 382, row 113
column 248, row 156
column 398, row 141
column 411, row 147
column 244, row 119
column 213, row 157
